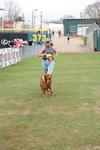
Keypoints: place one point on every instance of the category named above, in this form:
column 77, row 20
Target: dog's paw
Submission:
column 48, row 90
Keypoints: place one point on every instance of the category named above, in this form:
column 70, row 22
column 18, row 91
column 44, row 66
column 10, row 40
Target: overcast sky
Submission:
column 52, row 9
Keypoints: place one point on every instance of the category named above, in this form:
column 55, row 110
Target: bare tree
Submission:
column 13, row 10
column 92, row 11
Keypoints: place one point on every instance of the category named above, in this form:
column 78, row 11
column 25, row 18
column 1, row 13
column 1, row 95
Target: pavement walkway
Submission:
column 75, row 44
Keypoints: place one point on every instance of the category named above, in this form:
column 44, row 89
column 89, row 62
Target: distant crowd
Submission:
column 18, row 43
column 59, row 33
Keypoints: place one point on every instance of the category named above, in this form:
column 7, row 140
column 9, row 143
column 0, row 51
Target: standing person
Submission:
column 59, row 33
column 53, row 33
column 48, row 54
column 68, row 37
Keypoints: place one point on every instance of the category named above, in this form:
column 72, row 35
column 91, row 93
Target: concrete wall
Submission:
column 89, row 41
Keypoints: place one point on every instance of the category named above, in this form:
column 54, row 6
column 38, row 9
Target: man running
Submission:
column 48, row 54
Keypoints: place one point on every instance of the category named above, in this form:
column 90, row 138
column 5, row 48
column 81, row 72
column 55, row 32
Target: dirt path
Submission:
column 75, row 44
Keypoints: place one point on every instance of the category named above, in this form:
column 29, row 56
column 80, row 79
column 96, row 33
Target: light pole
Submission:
column 41, row 19
column 1, row 22
column 23, row 20
column 81, row 15
column 33, row 18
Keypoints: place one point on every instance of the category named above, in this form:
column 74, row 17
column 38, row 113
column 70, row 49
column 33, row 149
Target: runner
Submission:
column 48, row 54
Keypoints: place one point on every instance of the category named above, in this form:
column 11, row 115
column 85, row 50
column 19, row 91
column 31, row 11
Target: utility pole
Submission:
column 1, row 22
column 81, row 15
column 33, row 18
column 23, row 20
column 41, row 19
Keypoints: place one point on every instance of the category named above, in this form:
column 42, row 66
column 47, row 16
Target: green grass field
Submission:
column 67, row 120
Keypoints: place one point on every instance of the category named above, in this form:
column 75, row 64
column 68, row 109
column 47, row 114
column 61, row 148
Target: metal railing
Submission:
column 29, row 51
column 10, row 56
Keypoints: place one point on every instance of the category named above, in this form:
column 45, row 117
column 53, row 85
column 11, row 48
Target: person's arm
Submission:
column 41, row 53
column 56, row 54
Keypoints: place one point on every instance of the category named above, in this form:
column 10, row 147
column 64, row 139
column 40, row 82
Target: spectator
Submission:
column 53, row 33
column 17, row 43
column 30, row 42
column 68, row 37
column 59, row 33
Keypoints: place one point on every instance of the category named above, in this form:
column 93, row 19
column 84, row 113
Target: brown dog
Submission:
column 46, row 83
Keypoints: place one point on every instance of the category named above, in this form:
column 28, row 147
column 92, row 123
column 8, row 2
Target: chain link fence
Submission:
column 29, row 51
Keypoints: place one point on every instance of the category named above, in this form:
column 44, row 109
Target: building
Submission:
column 71, row 25
column 93, row 37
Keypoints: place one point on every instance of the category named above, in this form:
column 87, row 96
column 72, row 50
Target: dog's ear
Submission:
column 50, row 76
column 45, row 77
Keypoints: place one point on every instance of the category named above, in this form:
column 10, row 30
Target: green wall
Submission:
column 96, row 40
column 70, row 25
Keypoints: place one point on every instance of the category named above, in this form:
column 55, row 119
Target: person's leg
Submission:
column 45, row 66
column 50, row 72
column 50, row 67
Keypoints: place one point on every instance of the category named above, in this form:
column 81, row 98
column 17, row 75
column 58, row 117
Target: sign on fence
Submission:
column 9, row 56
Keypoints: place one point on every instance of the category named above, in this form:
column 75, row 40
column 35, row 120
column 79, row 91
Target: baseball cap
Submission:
column 48, row 41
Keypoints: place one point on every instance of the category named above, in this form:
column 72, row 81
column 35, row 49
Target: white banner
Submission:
column 9, row 56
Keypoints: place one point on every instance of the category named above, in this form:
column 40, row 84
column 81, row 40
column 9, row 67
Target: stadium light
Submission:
column 33, row 18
